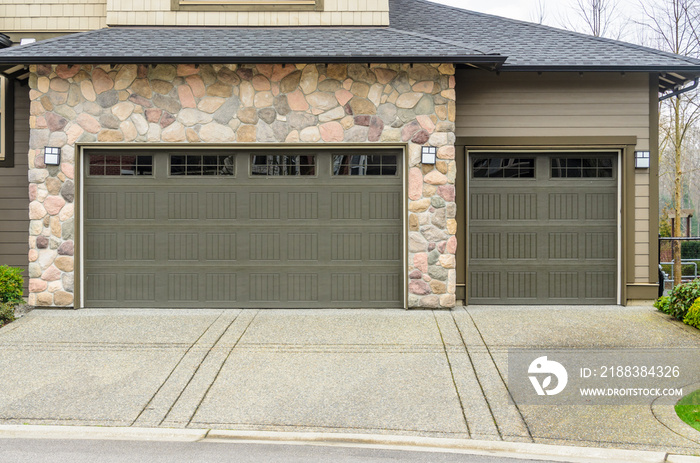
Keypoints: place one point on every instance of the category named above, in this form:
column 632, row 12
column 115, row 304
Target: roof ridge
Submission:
column 620, row 43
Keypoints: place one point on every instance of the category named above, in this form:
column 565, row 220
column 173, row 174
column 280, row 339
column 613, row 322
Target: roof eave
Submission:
column 495, row 60
column 689, row 69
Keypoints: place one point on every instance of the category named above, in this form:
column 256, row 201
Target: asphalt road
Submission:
column 111, row 451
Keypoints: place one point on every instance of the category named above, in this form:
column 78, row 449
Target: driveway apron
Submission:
column 428, row 373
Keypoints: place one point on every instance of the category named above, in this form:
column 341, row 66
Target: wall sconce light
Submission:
column 52, row 156
column 27, row 40
column 428, row 154
column 642, row 159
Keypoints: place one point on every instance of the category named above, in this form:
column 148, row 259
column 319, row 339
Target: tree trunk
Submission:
column 677, row 192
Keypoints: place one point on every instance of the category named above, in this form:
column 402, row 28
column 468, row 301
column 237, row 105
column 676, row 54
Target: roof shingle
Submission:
column 419, row 31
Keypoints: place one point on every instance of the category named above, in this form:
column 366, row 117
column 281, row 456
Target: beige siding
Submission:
column 14, row 198
column 52, row 15
column 553, row 104
column 336, row 13
column 564, row 105
column 642, row 218
column 81, row 15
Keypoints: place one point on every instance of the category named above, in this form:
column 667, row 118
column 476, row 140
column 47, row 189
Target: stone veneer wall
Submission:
column 310, row 104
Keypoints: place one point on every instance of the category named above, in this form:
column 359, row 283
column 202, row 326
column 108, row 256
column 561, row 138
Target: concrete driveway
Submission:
column 427, row 373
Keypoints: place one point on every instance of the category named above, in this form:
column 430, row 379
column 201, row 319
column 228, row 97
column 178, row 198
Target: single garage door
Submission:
column 240, row 228
column 543, row 228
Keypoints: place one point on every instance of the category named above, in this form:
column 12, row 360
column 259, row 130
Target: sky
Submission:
column 525, row 9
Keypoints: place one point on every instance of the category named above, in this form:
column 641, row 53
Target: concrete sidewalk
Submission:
column 413, row 373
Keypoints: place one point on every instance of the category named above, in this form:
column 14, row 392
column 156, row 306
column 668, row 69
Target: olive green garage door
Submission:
column 273, row 229
column 543, row 228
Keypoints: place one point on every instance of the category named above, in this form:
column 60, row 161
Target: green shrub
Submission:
column 690, row 250
column 692, row 318
column 663, row 304
column 682, row 297
column 11, row 283
column 7, row 313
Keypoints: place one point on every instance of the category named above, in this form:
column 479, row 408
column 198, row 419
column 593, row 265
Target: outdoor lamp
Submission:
column 428, row 154
column 641, row 159
column 52, row 156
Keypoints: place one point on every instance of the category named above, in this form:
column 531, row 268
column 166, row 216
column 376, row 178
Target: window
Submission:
column 201, row 165
column 582, row 167
column 247, row 5
column 6, row 123
column 503, row 167
column 273, row 165
column 115, row 165
column 364, row 164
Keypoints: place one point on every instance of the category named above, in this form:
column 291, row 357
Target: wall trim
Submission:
column 640, row 291
column 654, row 194
column 7, row 122
column 244, row 5
column 546, row 142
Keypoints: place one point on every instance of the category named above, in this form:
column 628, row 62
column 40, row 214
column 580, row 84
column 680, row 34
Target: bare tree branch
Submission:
column 539, row 14
column 600, row 18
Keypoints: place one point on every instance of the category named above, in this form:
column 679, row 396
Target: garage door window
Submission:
column 273, row 165
column 120, row 165
column 590, row 167
column 364, row 164
column 503, row 167
column 201, row 165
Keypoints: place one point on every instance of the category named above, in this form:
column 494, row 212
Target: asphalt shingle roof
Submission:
column 419, row 31
column 528, row 45
column 244, row 44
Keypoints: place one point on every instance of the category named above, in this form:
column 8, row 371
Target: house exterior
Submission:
column 325, row 153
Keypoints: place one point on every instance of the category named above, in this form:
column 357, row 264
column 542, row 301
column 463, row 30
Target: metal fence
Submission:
column 690, row 260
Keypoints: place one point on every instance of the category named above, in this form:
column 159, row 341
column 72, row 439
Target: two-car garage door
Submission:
column 243, row 229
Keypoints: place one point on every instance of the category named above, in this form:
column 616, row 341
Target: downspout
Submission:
column 680, row 91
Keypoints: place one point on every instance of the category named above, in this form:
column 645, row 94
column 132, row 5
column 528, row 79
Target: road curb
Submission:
column 682, row 459
column 493, row 448
column 525, row 451
column 106, row 433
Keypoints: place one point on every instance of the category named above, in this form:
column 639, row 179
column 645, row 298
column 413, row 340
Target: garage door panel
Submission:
column 522, row 206
column 563, row 285
column 243, row 240
column 221, row 205
column 543, row 239
column 102, row 288
column 521, row 245
column 346, row 287
column 600, row 245
column 302, row 246
column 139, row 246
column 139, row 206
column 183, row 206
column 221, row 287
column 140, row 287
column 601, row 206
column 101, row 206
column 521, row 285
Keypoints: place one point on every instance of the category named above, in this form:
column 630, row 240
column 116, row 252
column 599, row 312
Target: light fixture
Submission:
column 27, row 40
column 52, row 156
column 642, row 159
column 428, row 154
